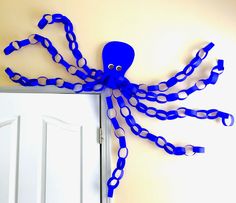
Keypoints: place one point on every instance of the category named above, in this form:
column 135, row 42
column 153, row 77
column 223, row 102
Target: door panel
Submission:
column 9, row 138
column 63, row 150
column 59, row 159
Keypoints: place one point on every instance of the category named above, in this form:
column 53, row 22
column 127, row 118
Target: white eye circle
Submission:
column 110, row 66
column 118, row 68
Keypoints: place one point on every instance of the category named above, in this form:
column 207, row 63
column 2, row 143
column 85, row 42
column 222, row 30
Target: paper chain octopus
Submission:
column 117, row 58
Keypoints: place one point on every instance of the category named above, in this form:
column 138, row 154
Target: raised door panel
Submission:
column 62, row 162
column 9, row 145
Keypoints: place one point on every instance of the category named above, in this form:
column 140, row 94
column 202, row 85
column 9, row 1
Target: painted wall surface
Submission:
column 165, row 35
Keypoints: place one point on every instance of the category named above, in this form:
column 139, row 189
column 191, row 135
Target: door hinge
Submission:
column 100, row 136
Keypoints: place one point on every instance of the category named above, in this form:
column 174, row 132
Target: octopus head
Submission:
column 117, row 58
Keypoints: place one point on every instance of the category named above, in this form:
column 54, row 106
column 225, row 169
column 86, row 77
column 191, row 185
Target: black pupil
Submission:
column 110, row 66
column 118, row 68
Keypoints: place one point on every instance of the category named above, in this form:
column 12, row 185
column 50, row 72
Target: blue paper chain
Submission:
column 58, row 82
column 183, row 94
column 181, row 112
column 187, row 71
column 134, row 101
column 47, row 44
column 71, row 38
column 118, row 172
column 145, row 134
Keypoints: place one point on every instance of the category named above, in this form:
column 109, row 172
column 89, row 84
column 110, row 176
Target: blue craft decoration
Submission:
column 117, row 58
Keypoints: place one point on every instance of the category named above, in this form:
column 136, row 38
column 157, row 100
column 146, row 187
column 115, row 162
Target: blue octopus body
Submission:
column 117, row 58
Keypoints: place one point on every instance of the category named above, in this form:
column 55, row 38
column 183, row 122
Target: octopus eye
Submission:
column 118, row 68
column 110, row 66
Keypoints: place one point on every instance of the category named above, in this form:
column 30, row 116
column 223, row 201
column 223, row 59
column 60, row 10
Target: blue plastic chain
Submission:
column 117, row 58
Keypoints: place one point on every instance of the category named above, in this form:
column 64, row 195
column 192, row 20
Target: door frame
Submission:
column 105, row 145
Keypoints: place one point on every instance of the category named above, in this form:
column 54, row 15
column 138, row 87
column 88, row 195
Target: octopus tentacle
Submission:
column 71, row 38
column 58, row 82
column 143, row 93
column 175, row 113
column 145, row 134
column 47, row 44
column 183, row 75
column 118, row 172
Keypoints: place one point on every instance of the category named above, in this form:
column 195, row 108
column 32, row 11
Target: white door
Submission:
column 49, row 149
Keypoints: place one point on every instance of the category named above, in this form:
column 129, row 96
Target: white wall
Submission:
column 165, row 35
